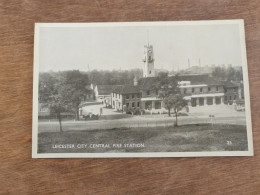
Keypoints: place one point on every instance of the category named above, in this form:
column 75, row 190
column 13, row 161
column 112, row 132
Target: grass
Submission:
column 186, row 138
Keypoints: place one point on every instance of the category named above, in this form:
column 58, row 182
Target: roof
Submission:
column 106, row 89
column 127, row 89
column 147, row 82
column 195, row 79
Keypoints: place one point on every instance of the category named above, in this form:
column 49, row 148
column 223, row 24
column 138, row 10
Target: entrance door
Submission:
column 201, row 101
column 193, row 102
column 210, row 100
column 218, row 100
column 148, row 105
column 157, row 105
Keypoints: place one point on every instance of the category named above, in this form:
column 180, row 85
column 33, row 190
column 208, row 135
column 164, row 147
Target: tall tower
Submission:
column 148, row 70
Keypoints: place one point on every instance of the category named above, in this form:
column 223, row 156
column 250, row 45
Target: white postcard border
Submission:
column 240, row 22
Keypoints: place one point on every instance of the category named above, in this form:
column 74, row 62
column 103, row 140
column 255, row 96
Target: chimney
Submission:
column 135, row 81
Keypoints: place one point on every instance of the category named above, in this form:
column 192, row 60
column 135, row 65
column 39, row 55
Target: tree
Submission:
column 175, row 102
column 219, row 74
column 227, row 74
column 47, row 87
column 169, row 92
column 73, row 88
column 167, row 86
column 114, row 77
column 57, row 106
column 63, row 92
column 48, row 95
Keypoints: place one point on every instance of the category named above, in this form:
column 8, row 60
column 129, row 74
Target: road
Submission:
column 138, row 121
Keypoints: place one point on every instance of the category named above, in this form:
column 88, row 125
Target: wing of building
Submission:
column 199, row 90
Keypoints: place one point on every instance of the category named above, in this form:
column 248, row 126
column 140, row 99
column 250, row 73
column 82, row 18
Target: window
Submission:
column 138, row 104
column 225, row 98
column 209, row 89
column 138, row 95
column 133, row 104
column 192, row 89
column 235, row 97
column 127, row 105
column 230, row 97
column 216, row 88
column 127, row 97
column 148, row 92
column 184, row 91
column 156, row 91
column 133, row 96
column 201, row 89
column 225, row 90
column 150, row 72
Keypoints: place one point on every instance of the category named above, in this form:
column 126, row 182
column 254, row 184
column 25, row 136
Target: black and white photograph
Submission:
column 141, row 89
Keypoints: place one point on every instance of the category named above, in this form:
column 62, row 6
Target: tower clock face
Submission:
column 149, row 51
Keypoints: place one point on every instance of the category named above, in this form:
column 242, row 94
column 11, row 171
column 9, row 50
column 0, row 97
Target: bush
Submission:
column 133, row 111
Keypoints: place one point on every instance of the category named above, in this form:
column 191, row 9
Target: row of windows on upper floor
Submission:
column 148, row 92
column 230, row 98
column 231, row 90
column 193, row 90
column 209, row 89
column 127, row 96
column 133, row 104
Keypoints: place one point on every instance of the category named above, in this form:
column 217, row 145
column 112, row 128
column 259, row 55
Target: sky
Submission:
column 122, row 47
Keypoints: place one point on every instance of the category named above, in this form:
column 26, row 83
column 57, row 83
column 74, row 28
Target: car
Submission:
column 91, row 117
column 240, row 108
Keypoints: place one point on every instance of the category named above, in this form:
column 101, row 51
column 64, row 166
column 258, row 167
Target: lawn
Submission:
column 186, row 138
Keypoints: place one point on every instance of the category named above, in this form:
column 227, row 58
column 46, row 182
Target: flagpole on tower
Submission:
column 148, row 37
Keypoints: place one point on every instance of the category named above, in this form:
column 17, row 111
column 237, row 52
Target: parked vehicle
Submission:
column 91, row 117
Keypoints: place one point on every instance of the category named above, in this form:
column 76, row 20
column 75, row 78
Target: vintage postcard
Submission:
column 141, row 89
